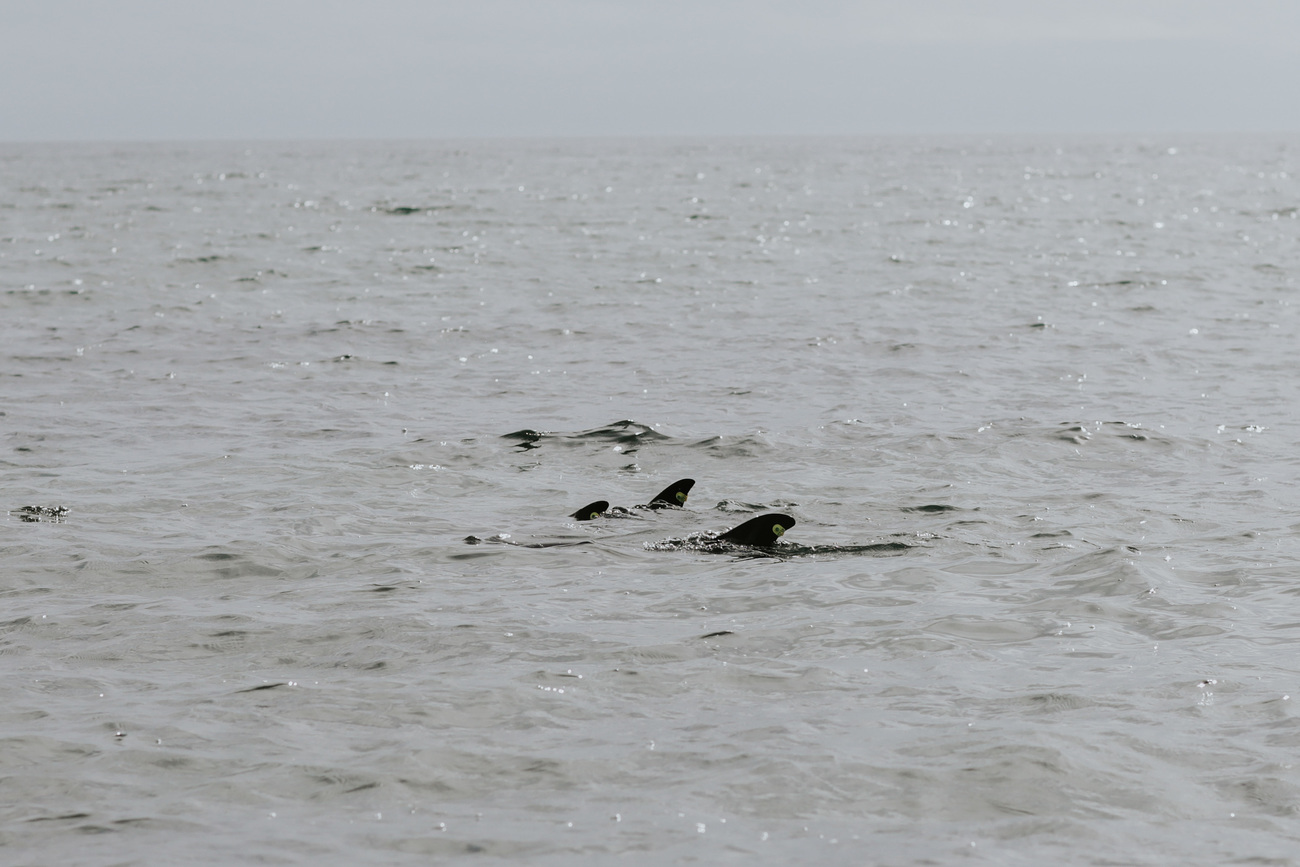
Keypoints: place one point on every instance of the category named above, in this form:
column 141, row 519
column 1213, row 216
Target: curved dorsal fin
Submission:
column 591, row 511
column 673, row 495
column 758, row 532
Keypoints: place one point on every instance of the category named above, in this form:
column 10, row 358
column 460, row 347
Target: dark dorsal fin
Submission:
column 591, row 511
column 758, row 532
column 673, row 495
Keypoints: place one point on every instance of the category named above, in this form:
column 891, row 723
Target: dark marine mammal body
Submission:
column 758, row 532
column 672, row 497
column 591, row 511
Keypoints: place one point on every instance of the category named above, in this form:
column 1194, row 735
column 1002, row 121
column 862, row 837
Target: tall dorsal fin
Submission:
column 673, row 495
column 758, row 532
column 591, row 511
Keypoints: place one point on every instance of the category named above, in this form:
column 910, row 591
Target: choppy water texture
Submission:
column 1033, row 402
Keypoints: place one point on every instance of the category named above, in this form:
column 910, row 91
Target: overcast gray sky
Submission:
column 292, row 69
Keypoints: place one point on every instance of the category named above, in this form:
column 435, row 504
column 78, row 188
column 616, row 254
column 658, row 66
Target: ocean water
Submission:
column 271, row 413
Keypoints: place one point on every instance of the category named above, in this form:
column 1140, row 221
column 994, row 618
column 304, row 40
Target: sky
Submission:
column 140, row 70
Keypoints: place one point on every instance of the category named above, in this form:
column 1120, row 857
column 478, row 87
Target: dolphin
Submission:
column 673, row 496
column 760, row 532
column 591, row 511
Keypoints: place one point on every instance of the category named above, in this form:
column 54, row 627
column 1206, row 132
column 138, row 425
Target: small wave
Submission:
column 1080, row 433
column 504, row 539
column 737, row 506
column 624, row 433
column 734, row 446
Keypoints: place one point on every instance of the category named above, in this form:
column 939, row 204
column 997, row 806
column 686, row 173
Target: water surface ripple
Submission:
column 1032, row 402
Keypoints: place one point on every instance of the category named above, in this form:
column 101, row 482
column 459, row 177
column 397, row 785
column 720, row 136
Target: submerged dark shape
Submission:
column 759, row 532
column 672, row 496
column 33, row 514
column 591, row 511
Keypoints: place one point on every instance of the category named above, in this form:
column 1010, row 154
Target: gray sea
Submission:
column 280, row 423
